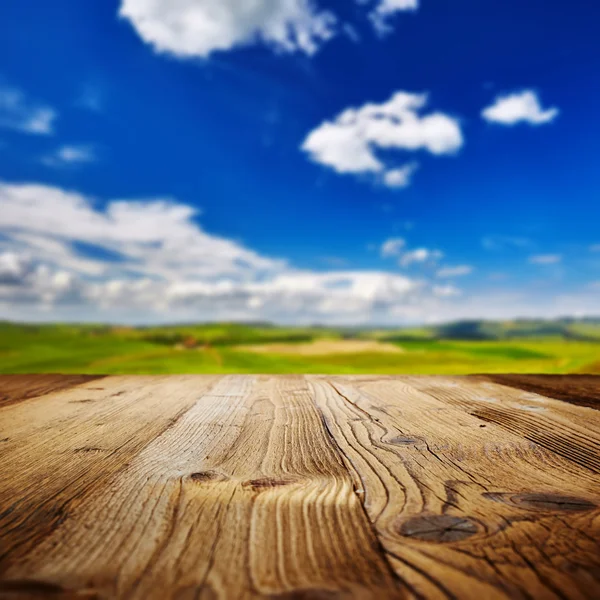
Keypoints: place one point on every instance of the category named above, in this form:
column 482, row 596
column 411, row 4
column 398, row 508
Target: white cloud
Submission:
column 446, row 291
column 165, row 267
column 348, row 144
column 13, row 267
column 458, row 271
column 419, row 255
column 197, row 28
column 399, row 178
column 545, row 259
column 150, row 260
column 70, row 155
column 520, row 107
column 503, row 303
column 396, row 248
column 392, row 247
column 22, row 114
column 388, row 8
column 502, row 242
column 156, row 237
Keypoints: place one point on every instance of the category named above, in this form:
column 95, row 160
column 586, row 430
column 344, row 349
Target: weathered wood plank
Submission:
column 15, row 388
column 583, row 390
column 464, row 508
column 244, row 495
column 293, row 487
column 572, row 432
column 64, row 447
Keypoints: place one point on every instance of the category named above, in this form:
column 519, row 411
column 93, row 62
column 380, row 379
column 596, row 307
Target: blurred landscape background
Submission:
column 190, row 186
column 525, row 346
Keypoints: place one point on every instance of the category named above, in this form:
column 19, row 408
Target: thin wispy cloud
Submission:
column 503, row 242
column 397, row 248
column 420, row 256
column 392, row 247
column 91, row 98
column 20, row 113
column 71, row 155
column 520, row 107
column 458, row 271
column 545, row 259
column 446, row 291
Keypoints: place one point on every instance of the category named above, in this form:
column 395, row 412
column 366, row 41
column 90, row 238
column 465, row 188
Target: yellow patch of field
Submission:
column 323, row 346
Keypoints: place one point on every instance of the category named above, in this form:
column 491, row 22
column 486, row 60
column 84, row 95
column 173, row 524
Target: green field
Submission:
column 531, row 347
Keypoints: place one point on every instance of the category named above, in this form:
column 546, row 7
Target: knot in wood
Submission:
column 546, row 501
column 438, row 528
column 207, row 477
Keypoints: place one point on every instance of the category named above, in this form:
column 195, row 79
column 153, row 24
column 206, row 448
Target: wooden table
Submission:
column 299, row 487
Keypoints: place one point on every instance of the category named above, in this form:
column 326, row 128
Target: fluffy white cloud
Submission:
column 349, row 143
column 63, row 257
column 520, row 107
column 545, row 259
column 22, row 114
column 156, row 238
column 385, row 9
column 70, row 155
column 149, row 260
column 197, row 28
column 458, row 271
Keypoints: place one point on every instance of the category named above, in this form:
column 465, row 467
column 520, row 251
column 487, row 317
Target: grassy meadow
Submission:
column 566, row 346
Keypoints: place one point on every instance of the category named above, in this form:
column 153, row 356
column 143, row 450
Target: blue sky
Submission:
column 382, row 161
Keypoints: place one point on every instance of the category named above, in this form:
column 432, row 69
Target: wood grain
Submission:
column 297, row 487
column 582, row 390
column 60, row 448
column 14, row 388
column 463, row 507
column 243, row 495
column 571, row 432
